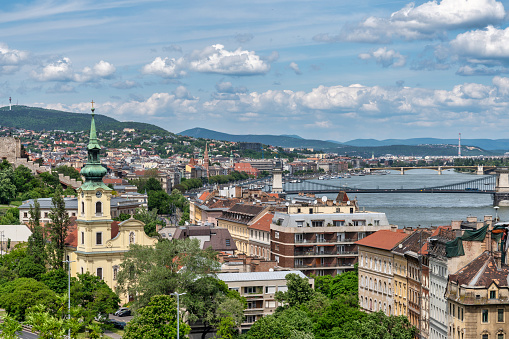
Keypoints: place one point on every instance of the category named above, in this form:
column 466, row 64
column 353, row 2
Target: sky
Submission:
column 329, row 70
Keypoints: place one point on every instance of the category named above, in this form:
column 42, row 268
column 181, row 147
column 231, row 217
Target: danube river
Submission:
column 423, row 209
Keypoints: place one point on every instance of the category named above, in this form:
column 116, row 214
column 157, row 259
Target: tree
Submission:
column 342, row 284
column 299, row 291
column 36, row 250
column 93, row 295
column 11, row 217
column 153, row 185
column 48, row 326
column 9, row 327
column 56, row 280
column 159, row 200
column 377, row 325
column 19, row 295
column 148, row 271
column 58, row 228
column 7, row 187
column 157, row 320
column 22, row 178
column 288, row 323
column 149, row 218
column 208, row 300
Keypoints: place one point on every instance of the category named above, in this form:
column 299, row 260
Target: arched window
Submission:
column 131, row 238
column 376, row 286
column 98, row 207
column 115, row 271
column 82, row 207
column 385, row 287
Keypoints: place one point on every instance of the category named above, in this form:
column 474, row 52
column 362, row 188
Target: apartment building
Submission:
column 478, row 299
column 259, row 236
column 376, row 278
column 259, row 289
column 237, row 220
column 319, row 238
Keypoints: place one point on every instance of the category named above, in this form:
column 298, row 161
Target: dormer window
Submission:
column 493, row 294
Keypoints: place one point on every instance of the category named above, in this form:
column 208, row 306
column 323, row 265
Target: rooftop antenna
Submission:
column 10, row 106
column 459, row 146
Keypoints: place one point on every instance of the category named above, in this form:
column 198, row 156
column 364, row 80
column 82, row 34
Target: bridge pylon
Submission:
column 480, row 170
column 501, row 195
column 439, row 170
column 402, row 171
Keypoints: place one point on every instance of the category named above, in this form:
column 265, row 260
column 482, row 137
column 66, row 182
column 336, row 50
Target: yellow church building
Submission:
column 97, row 244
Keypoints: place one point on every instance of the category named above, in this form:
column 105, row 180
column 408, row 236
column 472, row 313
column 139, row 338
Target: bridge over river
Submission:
column 485, row 185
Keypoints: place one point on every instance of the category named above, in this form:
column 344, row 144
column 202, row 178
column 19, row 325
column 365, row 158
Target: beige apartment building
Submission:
column 376, row 278
column 259, row 289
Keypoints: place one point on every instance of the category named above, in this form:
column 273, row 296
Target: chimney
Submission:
column 471, row 219
column 456, row 224
column 498, row 259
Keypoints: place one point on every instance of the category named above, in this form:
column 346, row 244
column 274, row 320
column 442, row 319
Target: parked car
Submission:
column 117, row 324
column 123, row 312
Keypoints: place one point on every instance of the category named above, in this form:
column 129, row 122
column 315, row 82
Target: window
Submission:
column 320, row 237
column 98, row 207
column 250, row 318
column 83, row 238
column 270, row 289
column 339, row 223
column 359, row 222
column 100, row 272
column 299, row 237
column 250, row 289
column 316, row 223
column 376, row 222
column 300, row 223
column 500, row 336
column 99, row 238
column 484, row 336
column 493, row 294
column 82, row 207
column 82, row 270
column 25, row 214
column 276, row 234
column 484, row 316
column 45, row 214
column 500, row 313
column 227, row 242
column 115, row 271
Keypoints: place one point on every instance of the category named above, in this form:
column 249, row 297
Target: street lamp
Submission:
column 68, row 294
column 178, row 312
column 496, row 213
column 1, row 242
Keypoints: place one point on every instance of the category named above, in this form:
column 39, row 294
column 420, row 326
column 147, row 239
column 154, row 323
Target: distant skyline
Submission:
column 329, row 70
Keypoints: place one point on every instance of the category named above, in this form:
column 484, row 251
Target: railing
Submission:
column 315, row 241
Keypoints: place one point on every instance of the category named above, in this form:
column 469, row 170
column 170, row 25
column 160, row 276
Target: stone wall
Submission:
column 10, row 149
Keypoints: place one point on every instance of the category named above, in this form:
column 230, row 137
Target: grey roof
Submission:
column 257, row 276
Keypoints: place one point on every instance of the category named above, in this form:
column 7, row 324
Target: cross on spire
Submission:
column 93, row 109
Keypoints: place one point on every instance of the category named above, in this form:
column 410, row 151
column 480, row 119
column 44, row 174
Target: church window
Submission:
column 100, row 272
column 131, row 238
column 83, row 238
column 115, row 271
column 99, row 238
column 82, row 270
column 82, row 207
column 98, row 208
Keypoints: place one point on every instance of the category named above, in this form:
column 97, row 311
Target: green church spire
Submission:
column 93, row 171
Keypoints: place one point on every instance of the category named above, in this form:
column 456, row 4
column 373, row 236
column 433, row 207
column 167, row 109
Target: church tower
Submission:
column 101, row 242
column 206, row 160
column 94, row 200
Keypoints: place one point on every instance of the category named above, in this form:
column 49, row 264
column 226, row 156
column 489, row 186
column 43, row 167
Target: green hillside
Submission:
column 38, row 119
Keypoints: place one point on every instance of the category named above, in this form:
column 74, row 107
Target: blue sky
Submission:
column 332, row 70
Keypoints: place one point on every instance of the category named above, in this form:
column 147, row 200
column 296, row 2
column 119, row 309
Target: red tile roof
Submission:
column 263, row 224
column 72, row 233
column 383, row 239
column 114, row 229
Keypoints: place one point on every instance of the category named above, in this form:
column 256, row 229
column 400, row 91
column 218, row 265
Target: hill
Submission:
column 38, row 119
column 487, row 144
column 274, row 140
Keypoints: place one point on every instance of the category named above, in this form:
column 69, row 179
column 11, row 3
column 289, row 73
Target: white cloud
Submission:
column 62, row 70
column 385, row 57
column 11, row 57
column 216, row 59
column 166, row 68
column 427, row 21
column 489, row 43
column 295, row 68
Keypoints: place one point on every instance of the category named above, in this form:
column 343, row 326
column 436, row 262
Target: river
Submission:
column 425, row 209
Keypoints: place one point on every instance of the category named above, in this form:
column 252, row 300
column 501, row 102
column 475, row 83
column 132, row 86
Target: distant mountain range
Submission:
column 39, row 119
column 297, row 141
column 487, row 144
column 275, row 140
